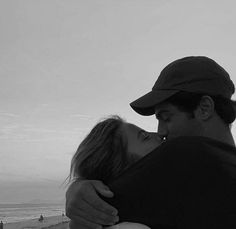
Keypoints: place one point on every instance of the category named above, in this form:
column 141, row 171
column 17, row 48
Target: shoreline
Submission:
column 51, row 222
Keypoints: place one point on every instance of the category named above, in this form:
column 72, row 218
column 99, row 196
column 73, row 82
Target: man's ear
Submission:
column 205, row 109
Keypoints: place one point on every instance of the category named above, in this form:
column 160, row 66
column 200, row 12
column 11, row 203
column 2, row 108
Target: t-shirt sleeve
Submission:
column 176, row 185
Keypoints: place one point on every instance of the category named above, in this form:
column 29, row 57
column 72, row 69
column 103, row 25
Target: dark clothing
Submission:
column 186, row 183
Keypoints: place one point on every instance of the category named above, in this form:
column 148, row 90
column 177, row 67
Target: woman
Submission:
column 110, row 148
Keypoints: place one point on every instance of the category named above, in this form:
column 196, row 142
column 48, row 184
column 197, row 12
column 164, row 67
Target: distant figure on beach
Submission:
column 1, row 225
column 41, row 218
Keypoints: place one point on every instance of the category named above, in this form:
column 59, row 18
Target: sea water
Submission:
column 19, row 212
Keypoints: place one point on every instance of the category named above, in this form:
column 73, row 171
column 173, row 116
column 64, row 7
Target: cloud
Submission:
column 10, row 115
column 14, row 132
column 10, row 131
column 82, row 116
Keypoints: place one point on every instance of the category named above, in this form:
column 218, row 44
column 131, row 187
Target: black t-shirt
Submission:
column 187, row 183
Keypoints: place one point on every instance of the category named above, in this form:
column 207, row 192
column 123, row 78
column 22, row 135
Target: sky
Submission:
column 64, row 65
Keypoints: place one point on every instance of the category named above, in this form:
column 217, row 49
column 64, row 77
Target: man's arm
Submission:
column 85, row 208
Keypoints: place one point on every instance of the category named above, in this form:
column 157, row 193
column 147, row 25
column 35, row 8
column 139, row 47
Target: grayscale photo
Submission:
column 117, row 114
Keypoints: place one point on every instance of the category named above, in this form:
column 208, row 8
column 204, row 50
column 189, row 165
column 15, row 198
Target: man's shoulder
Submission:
column 196, row 144
column 192, row 150
column 184, row 145
column 176, row 153
column 189, row 141
column 181, row 156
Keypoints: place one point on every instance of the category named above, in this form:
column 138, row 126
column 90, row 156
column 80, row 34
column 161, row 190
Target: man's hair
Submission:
column 102, row 155
column 188, row 102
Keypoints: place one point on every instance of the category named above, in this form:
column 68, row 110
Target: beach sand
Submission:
column 53, row 222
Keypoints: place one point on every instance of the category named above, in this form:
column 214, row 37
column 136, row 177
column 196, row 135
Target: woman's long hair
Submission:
column 102, row 155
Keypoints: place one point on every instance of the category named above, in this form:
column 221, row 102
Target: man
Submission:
column 190, row 180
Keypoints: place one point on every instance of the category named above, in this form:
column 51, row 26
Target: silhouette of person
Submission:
column 41, row 218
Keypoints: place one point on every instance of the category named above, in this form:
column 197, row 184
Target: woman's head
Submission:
column 110, row 147
column 139, row 141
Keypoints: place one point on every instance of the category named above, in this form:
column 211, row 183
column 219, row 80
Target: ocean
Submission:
column 19, row 212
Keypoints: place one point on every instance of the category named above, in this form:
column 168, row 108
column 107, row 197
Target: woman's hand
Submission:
column 85, row 208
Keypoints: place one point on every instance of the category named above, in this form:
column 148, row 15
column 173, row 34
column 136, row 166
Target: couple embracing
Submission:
column 183, row 176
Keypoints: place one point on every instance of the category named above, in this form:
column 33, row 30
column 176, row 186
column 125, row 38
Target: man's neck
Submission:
column 228, row 139
column 222, row 133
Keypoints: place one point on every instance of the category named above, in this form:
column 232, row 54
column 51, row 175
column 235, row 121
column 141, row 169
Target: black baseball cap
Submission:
column 196, row 74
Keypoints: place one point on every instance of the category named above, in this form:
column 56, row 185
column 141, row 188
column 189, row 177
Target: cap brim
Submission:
column 146, row 104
